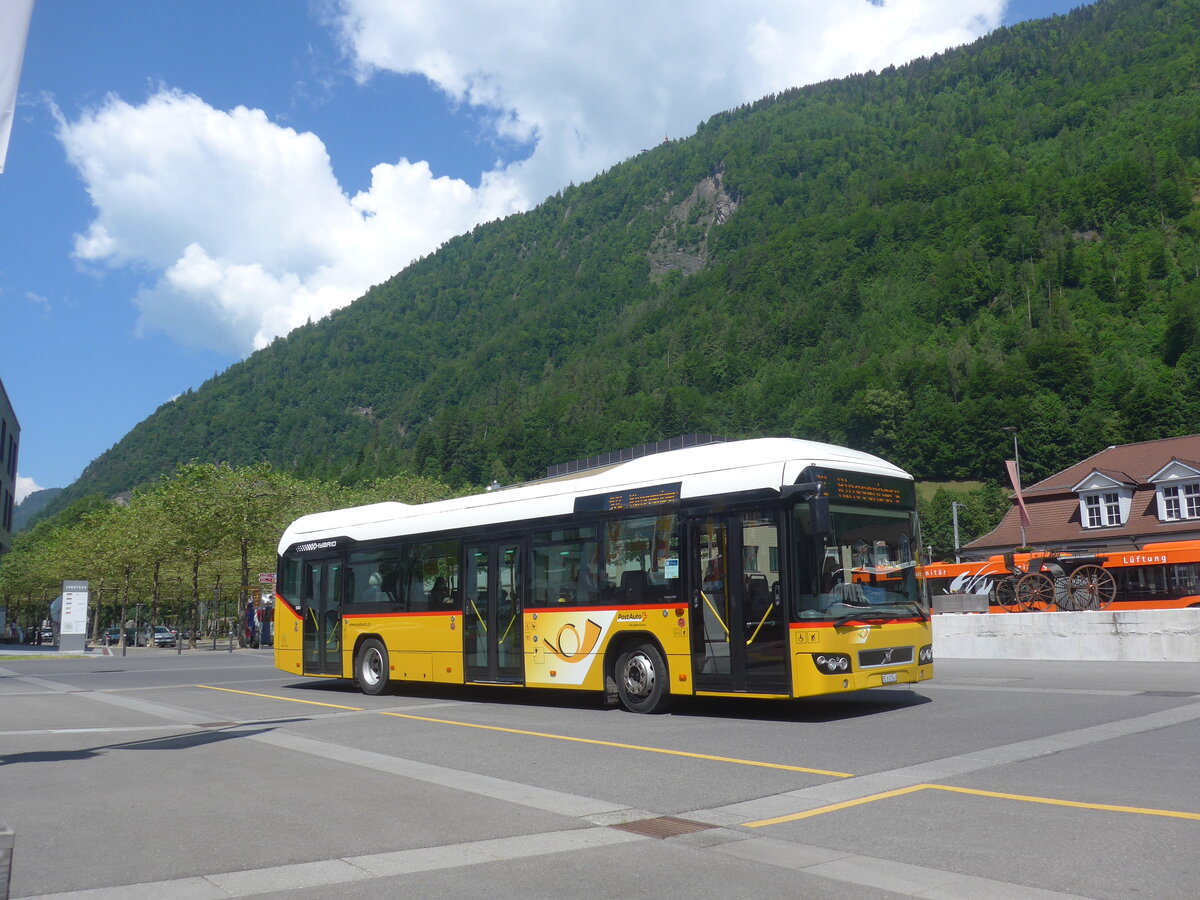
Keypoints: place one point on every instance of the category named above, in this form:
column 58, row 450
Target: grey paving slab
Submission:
column 160, row 788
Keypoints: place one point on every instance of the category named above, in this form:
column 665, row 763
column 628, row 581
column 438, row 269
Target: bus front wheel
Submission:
column 371, row 666
column 641, row 677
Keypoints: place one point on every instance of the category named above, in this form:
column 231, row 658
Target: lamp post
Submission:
column 1017, row 464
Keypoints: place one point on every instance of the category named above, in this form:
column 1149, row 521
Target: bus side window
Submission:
column 566, row 567
column 431, row 582
column 638, row 552
column 370, row 578
column 291, row 575
column 412, row 594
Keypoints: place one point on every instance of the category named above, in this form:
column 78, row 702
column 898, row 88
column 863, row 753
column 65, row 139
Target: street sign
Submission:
column 73, row 615
column 266, row 578
column 72, row 623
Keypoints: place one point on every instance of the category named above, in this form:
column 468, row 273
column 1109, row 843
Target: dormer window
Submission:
column 1102, row 509
column 1180, row 501
column 1105, row 499
column 1178, row 487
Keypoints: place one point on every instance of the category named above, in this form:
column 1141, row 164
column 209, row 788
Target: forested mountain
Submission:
column 32, row 506
column 903, row 261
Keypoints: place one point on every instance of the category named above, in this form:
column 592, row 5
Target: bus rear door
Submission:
column 322, row 612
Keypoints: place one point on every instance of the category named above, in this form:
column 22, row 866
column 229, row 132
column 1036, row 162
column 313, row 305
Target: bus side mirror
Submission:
column 818, row 505
column 820, row 516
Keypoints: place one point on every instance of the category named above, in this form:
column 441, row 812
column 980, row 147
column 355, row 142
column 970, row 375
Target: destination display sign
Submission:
column 637, row 498
column 871, row 490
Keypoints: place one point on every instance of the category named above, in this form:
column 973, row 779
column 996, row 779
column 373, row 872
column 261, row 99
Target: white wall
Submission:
column 1135, row 635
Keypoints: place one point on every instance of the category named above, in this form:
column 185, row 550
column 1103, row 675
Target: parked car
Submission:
column 163, row 637
column 112, row 637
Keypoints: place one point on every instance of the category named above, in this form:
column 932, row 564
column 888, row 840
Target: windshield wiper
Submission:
column 921, row 611
column 859, row 617
column 869, row 615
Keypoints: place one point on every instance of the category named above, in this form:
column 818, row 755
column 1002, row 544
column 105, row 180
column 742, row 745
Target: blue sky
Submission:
column 187, row 180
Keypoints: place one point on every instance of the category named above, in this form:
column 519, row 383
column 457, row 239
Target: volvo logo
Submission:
column 885, row 656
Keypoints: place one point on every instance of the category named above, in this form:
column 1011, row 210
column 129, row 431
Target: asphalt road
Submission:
column 211, row 775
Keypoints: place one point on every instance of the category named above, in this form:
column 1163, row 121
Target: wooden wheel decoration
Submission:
column 1091, row 587
column 1005, row 591
column 1035, row 592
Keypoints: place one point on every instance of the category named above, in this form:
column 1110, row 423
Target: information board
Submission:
column 74, row 608
column 72, row 619
column 869, row 490
column 636, row 498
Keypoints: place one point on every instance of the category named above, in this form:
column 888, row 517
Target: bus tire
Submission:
column 371, row 667
column 641, row 676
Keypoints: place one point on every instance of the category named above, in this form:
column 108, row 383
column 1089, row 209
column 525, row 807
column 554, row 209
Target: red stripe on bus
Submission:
column 392, row 615
column 280, row 603
column 568, row 607
column 824, row 623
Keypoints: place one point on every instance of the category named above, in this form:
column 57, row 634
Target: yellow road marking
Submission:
column 579, row 740
column 209, row 687
column 795, row 817
column 1105, row 807
column 557, row 737
column 834, row 807
column 1023, row 798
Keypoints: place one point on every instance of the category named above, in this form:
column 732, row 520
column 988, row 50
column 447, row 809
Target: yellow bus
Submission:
column 772, row 568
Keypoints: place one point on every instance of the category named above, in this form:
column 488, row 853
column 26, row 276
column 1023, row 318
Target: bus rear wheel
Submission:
column 371, row 666
column 641, row 677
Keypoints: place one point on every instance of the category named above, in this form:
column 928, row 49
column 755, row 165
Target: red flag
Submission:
column 1016, row 483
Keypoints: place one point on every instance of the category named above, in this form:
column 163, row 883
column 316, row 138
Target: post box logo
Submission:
column 569, row 646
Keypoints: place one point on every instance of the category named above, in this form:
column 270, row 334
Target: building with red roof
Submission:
column 1121, row 498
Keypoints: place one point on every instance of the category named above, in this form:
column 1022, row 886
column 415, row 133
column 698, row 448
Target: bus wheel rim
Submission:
column 372, row 668
column 639, row 675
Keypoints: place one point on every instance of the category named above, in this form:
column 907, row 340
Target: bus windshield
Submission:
column 864, row 568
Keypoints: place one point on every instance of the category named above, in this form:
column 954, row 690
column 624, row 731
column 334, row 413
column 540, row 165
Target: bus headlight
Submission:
column 831, row 663
column 926, row 655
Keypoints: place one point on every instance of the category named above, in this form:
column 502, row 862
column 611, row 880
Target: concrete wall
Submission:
column 6, row 854
column 1133, row 635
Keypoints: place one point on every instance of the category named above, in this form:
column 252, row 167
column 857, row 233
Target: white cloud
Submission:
column 246, row 232
column 242, row 222
column 593, row 83
column 25, row 487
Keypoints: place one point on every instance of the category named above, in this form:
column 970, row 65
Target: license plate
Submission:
column 890, row 678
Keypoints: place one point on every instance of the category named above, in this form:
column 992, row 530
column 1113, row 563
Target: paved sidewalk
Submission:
column 33, row 651
column 30, row 651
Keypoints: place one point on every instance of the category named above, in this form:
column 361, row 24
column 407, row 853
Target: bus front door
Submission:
column 492, row 630
column 322, row 601
column 739, row 632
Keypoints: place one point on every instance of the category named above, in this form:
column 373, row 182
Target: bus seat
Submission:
column 633, row 586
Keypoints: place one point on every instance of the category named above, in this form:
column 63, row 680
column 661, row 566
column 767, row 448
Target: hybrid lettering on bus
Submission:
column 770, row 568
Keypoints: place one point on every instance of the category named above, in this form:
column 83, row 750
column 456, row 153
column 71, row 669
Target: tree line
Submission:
column 202, row 534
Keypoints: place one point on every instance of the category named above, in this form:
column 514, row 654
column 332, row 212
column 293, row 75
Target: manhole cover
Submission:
column 663, row 827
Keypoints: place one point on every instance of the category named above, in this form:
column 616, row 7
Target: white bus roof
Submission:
column 702, row 471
